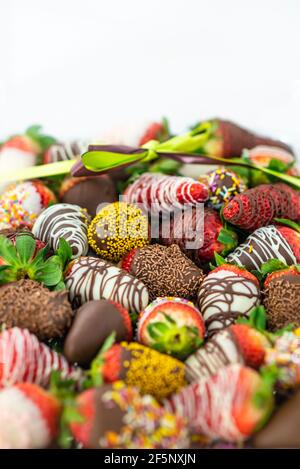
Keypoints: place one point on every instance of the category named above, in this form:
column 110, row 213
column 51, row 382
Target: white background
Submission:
column 82, row 67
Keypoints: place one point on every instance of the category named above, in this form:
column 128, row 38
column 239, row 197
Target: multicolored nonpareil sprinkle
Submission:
column 223, row 185
column 145, row 423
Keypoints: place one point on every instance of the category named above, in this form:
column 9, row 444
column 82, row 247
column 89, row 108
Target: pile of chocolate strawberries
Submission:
column 156, row 305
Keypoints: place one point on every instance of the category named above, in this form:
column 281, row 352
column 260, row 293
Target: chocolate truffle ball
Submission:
column 88, row 192
column 28, row 305
column 93, row 323
column 116, row 229
column 223, row 185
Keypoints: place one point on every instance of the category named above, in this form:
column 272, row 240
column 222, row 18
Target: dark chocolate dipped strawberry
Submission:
column 165, row 271
column 94, row 322
column 171, row 325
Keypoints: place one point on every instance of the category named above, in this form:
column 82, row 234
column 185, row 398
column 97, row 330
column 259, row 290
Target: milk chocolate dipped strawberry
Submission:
column 227, row 139
column 159, row 193
column 94, row 322
column 117, row 416
column 225, row 294
column 257, row 207
column 149, row 370
column 24, row 359
column 21, row 204
column 171, row 325
column 285, row 355
column 116, row 229
column 28, row 305
column 223, row 184
column 199, row 235
column 64, row 221
column 88, row 192
column 282, row 431
column 239, row 343
column 229, row 405
column 266, row 243
column 90, row 278
column 29, row 417
column 166, row 271
column 282, row 297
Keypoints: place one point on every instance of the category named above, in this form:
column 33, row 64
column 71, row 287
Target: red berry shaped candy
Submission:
column 229, row 405
column 171, row 325
column 257, row 207
column 117, row 416
column 227, row 293
column 266, row 243
column 159, row 193
column 24, row 359
column 29, row 417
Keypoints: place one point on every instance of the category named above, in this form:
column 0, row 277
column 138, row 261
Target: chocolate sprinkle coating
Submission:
column 282, row 301
column 28, row 305
column 166, row 271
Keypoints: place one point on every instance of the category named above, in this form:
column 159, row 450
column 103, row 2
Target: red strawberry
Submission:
column 155, row 131
column 24, row 359
column 239, row 271
column 293, row 239
column 280, row 274
column 87, row 409
column 29, row 417
column 22, row 142
column 251, row 342
column 127, row 260
column 229, row 405
column 263, row 154
column 171, row 325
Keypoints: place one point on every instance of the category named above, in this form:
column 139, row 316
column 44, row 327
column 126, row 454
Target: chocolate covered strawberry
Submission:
column 29, row 417
column 267, row 243
column 24, row 359
column 227, row 293
column 149, row 370
column 238, row 343
column 257, row 207
column 165, row 271
column 282, row 297
column 227, row 139
column 229, row 405
column 171, row 325
column 117, row 416
column 199, row 235
column 159, row 193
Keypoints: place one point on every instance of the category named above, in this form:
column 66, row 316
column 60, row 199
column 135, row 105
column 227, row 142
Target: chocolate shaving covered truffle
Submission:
column 28, row 305
column 166, row 271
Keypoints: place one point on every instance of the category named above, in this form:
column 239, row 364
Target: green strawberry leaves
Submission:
column 44, row 141
column 257, row 319
column 168, row 337
column 22, row 261
column 229, row 239
column 272, row 266
column 94, row 377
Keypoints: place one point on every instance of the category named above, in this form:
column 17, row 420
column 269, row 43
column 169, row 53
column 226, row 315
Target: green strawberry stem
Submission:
column 94, row 376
